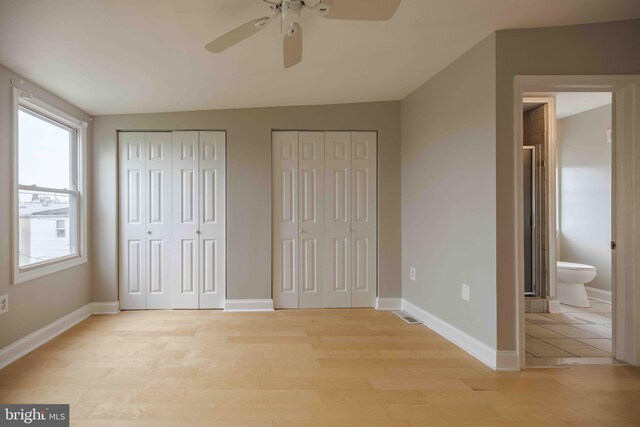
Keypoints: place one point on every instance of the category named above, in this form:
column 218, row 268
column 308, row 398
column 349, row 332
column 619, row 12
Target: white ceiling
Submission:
column 570, row 103
column 131, row 56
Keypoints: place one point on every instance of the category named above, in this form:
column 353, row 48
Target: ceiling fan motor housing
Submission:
column 291, row 11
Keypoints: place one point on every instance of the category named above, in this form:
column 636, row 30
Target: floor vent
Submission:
column 407, row 317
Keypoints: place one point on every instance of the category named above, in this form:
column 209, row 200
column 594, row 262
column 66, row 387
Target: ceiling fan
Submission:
column 290, row 11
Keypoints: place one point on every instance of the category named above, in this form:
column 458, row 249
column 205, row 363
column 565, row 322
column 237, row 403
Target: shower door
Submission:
column 529, row 158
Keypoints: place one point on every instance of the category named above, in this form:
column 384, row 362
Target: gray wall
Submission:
column 584, row 163
column 593, row 49
column 249, row 186
column 448, row 193
column 38, row 302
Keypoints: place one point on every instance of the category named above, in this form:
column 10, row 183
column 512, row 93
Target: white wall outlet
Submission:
column 466, row 292
column 412, row 273
column 4, row 303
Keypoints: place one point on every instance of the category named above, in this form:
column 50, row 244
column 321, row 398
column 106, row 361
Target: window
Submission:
column 48, row 234
column 61, row 230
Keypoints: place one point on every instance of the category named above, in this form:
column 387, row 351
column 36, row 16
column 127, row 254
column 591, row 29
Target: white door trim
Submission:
column 627, row 136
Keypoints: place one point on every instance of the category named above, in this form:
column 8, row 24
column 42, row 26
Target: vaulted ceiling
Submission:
column 124, row 56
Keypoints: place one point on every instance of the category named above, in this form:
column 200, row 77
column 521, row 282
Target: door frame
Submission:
column 377, row 207
column 626, row 257
column 226, row 216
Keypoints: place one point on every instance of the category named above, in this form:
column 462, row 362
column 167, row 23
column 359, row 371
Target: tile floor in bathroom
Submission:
column 575, row 336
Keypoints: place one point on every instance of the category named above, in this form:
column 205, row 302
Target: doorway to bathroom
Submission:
column 567, row 206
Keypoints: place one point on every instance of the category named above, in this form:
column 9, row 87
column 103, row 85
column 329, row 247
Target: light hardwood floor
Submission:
column 300, row 368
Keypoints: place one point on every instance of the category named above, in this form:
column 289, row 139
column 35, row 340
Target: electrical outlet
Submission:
column 412, row 273
column 466, row 292
column 4, row 303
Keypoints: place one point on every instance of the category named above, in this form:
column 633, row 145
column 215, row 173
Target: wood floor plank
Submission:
column 302, row 368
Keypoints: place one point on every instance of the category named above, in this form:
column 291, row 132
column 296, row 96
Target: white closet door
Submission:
column 363, row 219
column 285, row 219
column 158, row 219
column 212, row 220
column 337, row 219
column 132, row 151
column 186, row 220
column 311, row 219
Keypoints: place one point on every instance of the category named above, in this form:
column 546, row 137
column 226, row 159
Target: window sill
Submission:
column 27, row 274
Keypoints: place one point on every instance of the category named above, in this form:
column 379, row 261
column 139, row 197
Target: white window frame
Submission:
column 21, row 99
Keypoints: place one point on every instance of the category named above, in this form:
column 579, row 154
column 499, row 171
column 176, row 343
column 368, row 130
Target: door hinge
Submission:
column 613, row 245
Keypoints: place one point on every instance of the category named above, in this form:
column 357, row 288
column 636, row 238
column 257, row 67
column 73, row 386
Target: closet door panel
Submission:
column 211, row 262
column 133, row 193
column 337, row 219
column 159, row 219
column 186, row 220
column 285, row 219
column 363, row 219
column 311, row 218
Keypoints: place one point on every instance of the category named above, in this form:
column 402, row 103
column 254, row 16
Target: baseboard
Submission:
column 248, row 305
column 481, row 351
column 27, row 344
column 105, row 307
column 507, row 361
column 388, row 303
column 554, row 306
column 599, row 294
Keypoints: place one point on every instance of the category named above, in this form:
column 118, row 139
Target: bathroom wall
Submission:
column 584, row 161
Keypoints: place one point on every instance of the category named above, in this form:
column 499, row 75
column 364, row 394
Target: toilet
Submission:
column 571, row 278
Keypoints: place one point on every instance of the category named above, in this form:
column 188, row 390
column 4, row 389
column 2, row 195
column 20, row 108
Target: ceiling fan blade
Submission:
column 235, row 36
column 362, row 10
column 292, row 52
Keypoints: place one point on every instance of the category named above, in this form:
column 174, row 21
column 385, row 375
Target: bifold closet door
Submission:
column 212, row 250
column 145, row 219
column 324, row 219
column 298, row 219
column 338, row 219
column 311, row 219
column 285, row 219
column 199, row 219
column 351, row 219
column 364, row 220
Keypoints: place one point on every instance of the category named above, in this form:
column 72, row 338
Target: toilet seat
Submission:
column 574, row 266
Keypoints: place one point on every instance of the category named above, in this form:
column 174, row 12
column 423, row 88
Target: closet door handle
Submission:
column 197, row 231
column 148, row 231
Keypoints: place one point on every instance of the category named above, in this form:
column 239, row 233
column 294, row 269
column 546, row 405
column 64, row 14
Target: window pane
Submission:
column 44, row 152
column 46, row 221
